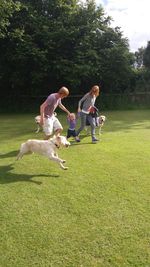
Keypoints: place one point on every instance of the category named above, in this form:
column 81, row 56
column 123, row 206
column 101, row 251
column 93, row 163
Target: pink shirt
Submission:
column 52, row 102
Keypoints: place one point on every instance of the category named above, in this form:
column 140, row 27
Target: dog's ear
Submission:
column 58, row 138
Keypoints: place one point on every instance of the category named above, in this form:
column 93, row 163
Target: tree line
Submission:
column 45, row 44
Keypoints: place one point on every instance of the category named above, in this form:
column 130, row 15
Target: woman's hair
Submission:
column 95, row 89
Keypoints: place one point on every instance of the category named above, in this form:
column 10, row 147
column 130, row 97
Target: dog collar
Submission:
column 55, row 144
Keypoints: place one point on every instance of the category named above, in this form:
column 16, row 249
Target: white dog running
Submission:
column 46, row 148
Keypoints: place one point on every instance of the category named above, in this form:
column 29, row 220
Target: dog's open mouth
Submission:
column 67, row 145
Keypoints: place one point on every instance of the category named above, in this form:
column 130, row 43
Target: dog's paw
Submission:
column 63, row 161
column 65, row 168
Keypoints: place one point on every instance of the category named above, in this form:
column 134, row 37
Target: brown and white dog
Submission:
column 37, row 121
column 47, row 148
column 99, row 121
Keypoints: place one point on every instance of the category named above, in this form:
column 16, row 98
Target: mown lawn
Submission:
column 95, row 214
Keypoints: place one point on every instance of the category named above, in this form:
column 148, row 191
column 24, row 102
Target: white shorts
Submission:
column 51, row 124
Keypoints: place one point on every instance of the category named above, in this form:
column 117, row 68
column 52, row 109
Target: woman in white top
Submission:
column 87, row 102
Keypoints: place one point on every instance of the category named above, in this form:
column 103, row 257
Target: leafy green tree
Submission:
column 7, row 9
column 141, row 69
column 46, row 44
column 146, row 56
column 139, row 57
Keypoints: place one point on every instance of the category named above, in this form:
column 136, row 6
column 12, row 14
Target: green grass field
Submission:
column 95, row 214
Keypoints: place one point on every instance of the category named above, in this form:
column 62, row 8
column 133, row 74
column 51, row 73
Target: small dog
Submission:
column 99, row 121
column 37, row 121
column 46, row 148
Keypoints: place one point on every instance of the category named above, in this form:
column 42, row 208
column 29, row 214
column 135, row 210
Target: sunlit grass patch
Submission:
column 95, row 214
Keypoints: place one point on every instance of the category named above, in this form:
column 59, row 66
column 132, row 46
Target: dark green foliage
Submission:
column 146, row 56
column 142, row 69
column 47, row 44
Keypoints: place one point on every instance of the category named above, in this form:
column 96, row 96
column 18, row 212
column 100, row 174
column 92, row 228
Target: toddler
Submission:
column 72, row 121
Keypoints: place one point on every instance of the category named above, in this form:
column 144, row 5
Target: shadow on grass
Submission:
column 82, row 144
column 83, row 138
column 9, row 154
column 6, row 176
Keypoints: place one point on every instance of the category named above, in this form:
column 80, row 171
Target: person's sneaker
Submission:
column 94, row 140
column 77, row 139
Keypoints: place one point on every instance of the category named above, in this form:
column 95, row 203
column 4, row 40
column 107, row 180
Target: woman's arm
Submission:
column 81, row 101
